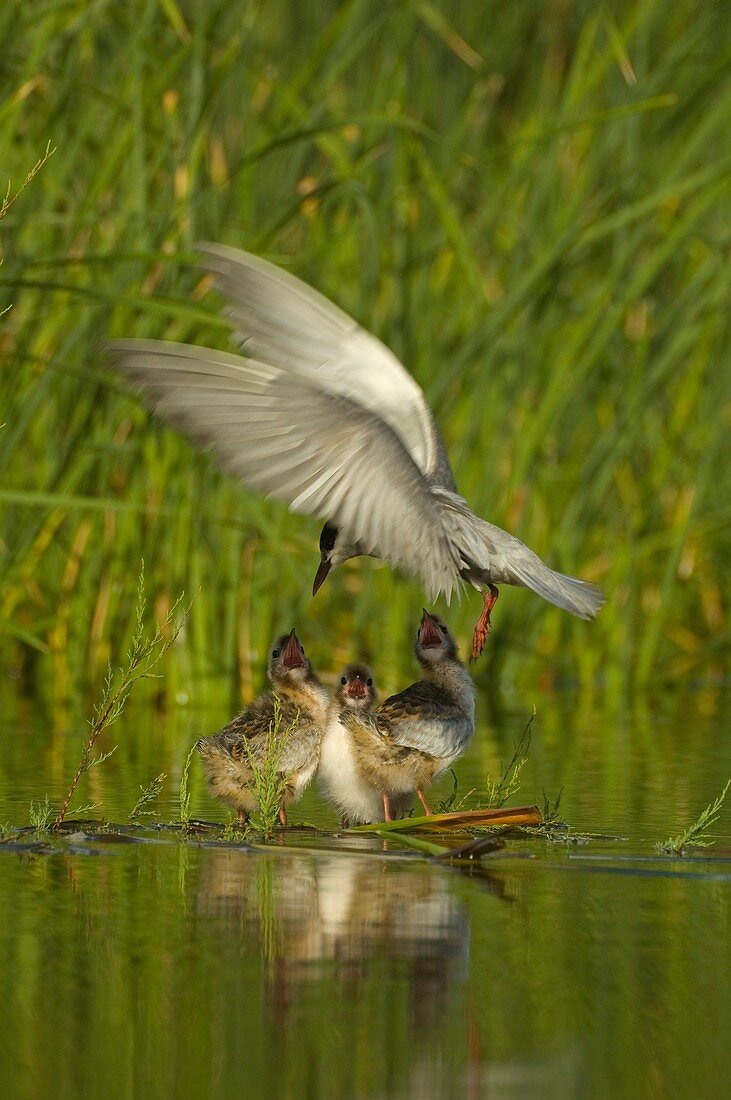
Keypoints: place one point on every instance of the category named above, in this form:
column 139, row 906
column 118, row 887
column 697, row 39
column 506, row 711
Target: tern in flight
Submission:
column 317, row 412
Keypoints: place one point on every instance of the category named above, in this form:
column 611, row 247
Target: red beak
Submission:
column 293, row 655
column 429, row 633
column 356, row 689
column 322, row 571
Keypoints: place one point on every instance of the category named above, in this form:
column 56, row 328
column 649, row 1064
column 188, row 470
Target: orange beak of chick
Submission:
column 429, row 633
column 292, row 655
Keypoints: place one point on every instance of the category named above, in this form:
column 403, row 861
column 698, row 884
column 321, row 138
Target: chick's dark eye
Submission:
column 275, row 653
column 444, row 630
column 343, row 679
column 369, row 681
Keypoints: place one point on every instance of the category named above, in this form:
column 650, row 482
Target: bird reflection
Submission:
column 310, row 914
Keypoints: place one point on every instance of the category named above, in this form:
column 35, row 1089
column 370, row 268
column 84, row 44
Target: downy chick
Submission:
column 357, row 800
column 302, row 702
column 411, row 738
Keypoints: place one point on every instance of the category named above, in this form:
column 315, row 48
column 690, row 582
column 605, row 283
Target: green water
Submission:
column 139, row 964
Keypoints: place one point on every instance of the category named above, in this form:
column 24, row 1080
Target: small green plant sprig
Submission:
column 269, row 782
column 144, row 654
column 452, row 803
column 148, row 794
column 551, row 809
column 40, row 813
column 184, row 790
column 501, row 789
column 232, row 831
column 694, row 837
column 11, row 197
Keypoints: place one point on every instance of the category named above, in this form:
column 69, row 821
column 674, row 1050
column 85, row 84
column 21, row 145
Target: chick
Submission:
column 302, row 703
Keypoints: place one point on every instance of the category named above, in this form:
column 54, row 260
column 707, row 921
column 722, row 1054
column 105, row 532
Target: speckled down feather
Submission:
column 412, row 737
column 298, row 734
column 389, row 767
column 228, row 755
column 345, row 783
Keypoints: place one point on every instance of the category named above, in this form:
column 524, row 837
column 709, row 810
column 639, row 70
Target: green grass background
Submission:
column 528, row 202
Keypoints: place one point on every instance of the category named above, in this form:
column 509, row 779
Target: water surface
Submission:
column 142, row 963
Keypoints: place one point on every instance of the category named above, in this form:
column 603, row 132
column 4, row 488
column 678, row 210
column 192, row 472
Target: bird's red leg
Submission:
column 283, row 815
column 345, row 822
column 387, row 816
column 482, row 628
column 243, row 817
column 423, row 801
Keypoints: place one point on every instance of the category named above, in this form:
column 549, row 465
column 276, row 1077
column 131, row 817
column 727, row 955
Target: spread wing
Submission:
column 320, row 452
column 282, row 321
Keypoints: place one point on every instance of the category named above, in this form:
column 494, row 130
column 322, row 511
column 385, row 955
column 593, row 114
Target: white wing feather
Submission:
column 318, row 451
column 322, row 415
column 282, row 321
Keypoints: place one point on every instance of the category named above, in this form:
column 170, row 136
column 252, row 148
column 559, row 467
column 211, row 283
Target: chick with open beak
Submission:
column 357, row 801
column 410, row 739
column 231, row 756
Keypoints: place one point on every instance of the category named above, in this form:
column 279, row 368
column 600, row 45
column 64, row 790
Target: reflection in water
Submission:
column 161, row 968
column 344, row 919
column 342, row 914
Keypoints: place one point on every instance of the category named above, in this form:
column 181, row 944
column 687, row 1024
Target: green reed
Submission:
column 525, row 203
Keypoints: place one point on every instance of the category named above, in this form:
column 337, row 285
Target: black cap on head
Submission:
column 327, row 538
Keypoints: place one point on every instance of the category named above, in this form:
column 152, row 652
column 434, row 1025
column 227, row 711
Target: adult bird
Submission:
column 317, row 412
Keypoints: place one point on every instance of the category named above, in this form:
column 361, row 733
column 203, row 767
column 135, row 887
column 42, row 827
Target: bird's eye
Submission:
column 369, row 681
column 275, row 653
column 343, row 679
column 444, row 630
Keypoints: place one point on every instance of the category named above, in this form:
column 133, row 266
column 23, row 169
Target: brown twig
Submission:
column 463, row 819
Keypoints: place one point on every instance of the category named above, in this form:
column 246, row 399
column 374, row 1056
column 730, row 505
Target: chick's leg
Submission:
column 424, row 802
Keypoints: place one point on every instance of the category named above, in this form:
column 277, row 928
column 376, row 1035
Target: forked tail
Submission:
column 578, row 597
